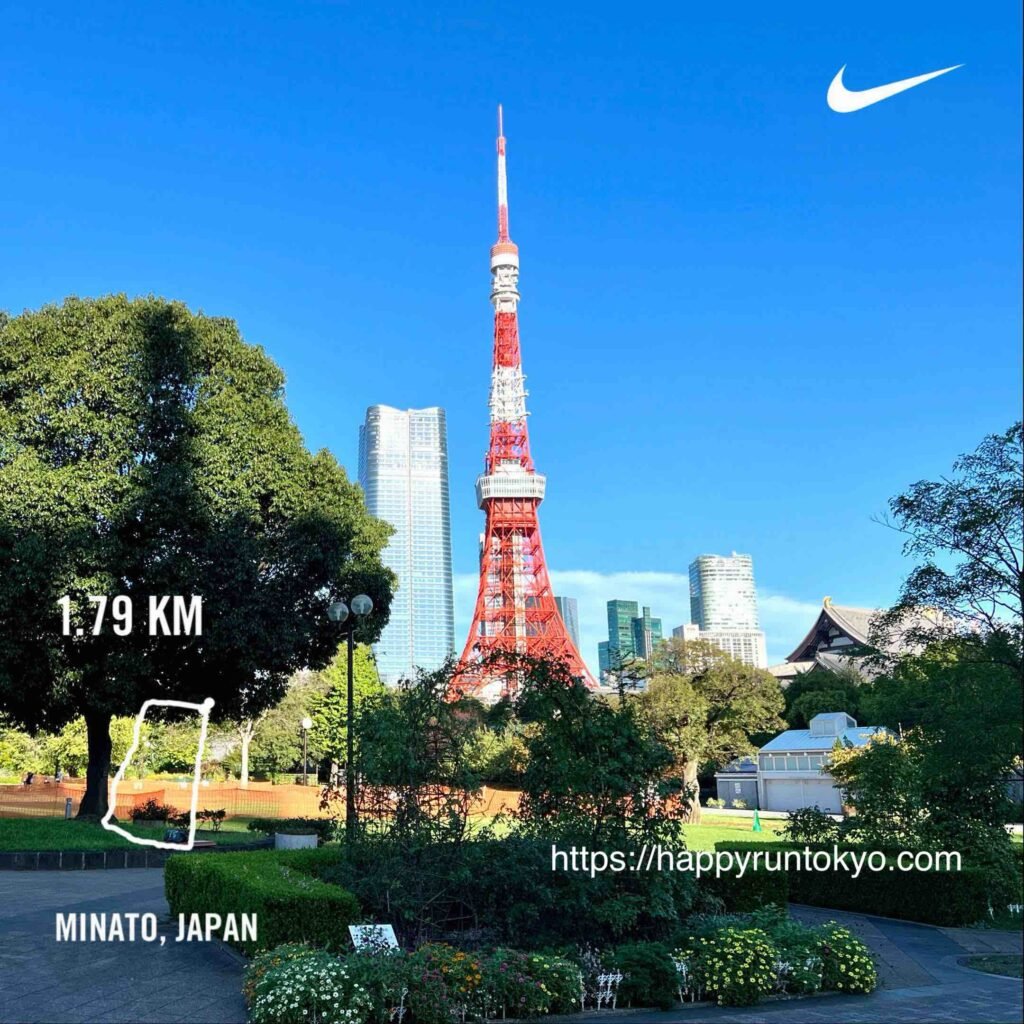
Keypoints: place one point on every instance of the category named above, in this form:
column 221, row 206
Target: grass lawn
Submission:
column 1006, row 965
column 58, row 834
column 723, row 829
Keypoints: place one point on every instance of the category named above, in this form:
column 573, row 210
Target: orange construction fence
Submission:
column 257, row 800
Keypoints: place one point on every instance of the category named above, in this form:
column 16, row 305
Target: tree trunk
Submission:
column 97, row 773
column 692, row 795
column 245, row 731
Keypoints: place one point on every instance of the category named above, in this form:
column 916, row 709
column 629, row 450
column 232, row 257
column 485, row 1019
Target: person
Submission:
column 28, row 778
column 59, row 777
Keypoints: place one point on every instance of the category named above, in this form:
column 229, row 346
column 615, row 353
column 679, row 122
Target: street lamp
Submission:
column 307, row 724
column 338, row 612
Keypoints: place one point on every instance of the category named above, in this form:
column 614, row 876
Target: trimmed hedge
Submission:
column 280, row 888
column 756, row 889
column 947, row 898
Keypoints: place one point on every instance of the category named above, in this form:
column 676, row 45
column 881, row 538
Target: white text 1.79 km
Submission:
column 171, row 615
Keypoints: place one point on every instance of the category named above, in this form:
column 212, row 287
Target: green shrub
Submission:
column 510, row 988
column 946, row 898
column 386, row 975
column 757, row 888
column 447, row 984
column 848, row 966
column 279, row 887
column 264, row 961
column 799, row 951
column 325, row 828
column 736, row 967
column 649, row 974
column 811, row 825
column 561, row 978
column 313, row 989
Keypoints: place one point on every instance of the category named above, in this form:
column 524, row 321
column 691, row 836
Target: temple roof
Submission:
column 839, row 621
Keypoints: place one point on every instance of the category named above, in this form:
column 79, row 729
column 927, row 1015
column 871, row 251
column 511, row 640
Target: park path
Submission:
column 45, row 982
column 50, row 982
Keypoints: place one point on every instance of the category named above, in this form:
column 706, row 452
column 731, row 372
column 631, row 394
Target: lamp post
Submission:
column 307, row 724
column 338, row 612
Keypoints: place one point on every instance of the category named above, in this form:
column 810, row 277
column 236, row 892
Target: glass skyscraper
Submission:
column 723, row 604
column 403, row 469
column 569, row 611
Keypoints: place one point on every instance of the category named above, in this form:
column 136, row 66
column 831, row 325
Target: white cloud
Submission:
column 785, row 620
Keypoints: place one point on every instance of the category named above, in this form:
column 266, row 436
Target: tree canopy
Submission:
column 704, row 705
column 146, row 450
column 966, row 530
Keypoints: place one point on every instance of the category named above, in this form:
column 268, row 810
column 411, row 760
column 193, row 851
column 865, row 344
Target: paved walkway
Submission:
column 50, row 982
column 46, row 982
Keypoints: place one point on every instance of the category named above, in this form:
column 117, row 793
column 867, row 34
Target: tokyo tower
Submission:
column 515, row 609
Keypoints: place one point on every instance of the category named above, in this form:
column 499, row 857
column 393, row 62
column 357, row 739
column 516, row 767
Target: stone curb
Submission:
column 84, row 860
column 632, row 1011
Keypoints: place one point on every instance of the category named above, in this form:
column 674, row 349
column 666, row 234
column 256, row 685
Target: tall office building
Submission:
column 646, row 634
column 621, row 648
column 722, row 594
column 723, row 604
column 569, row 611
column 403, row 468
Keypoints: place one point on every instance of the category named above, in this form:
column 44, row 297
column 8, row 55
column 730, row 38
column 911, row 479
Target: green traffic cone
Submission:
column 756, row 827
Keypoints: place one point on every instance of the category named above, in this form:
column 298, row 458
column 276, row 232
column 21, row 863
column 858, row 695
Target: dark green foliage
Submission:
column 146, row 450
column 291, row 904
column 325, row 828
column 822, row 690
column 650, row 975
column 595, row 772
column 948, row 898
column 755, row 890
column 812, row 825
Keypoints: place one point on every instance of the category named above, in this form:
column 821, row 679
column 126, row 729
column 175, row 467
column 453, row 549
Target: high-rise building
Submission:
column 403, row 468
column 569, row 611
column 604, row 661
column 621, row 645
column 515, row 609
column 723, row 606
column 646, row 634
column 722, row 593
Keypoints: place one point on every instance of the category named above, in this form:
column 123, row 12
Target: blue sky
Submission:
column 746, row 320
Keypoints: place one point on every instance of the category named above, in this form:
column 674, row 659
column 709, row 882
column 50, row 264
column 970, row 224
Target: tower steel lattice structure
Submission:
column 515, row 608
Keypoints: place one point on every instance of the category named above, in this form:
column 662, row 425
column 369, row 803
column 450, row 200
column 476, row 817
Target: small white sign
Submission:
column 371, row 937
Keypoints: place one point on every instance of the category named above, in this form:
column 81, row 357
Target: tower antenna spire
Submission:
column 502, row 182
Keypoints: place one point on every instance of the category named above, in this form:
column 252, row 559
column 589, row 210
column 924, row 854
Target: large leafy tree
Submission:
column 704, row 706
column 821, row 690
column 966, row 531
column 146, row 450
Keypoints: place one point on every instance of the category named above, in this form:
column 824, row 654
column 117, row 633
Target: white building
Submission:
column 403, row 468
column 790, row 767
column 723, row 607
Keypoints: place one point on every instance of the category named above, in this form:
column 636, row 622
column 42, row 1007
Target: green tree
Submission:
column 329, row 709
column 821, row 690
column 967, row 530
column 960, row 706
column 146, row 451
column 593, row 768
column 704, row 705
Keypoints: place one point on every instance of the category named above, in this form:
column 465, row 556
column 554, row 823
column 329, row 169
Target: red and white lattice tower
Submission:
column 515, row 608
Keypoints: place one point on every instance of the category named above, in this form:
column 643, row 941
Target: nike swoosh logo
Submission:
column 845, row 101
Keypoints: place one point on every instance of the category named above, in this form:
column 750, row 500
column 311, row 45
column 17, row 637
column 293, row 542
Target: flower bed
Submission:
column 733, row 961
